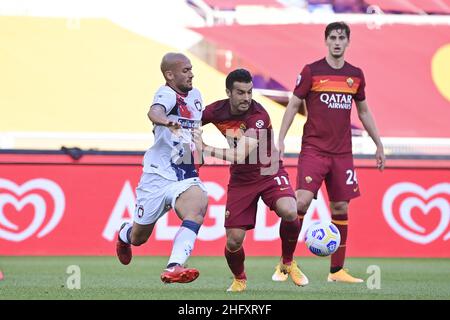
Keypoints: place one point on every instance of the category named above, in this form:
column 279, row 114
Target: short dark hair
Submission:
column 238, row 75
column 337, row 26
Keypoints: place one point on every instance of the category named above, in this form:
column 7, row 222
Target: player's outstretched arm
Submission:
column 368, row 122
column 291, row 110
column 157, row 114
column 199, row 145
column 235, row 155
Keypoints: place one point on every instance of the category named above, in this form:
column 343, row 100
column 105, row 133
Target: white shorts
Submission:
column 156, row 195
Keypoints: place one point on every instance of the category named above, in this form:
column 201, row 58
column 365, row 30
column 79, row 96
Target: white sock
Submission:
column 123, row 233
column 183, row 244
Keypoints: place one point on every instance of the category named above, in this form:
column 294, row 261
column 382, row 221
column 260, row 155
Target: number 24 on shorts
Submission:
column 351, row 177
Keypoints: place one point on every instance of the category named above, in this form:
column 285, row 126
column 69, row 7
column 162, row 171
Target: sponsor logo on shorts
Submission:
column 227, row 214
column 308, row 179
column 282, row 189
column 355, row 189
column 140, row 211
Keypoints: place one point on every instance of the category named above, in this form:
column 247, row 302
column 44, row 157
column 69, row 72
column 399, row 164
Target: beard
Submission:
column 185, row 88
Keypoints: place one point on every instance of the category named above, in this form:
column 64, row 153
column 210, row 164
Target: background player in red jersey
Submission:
column 328, row 86
column 254, row 174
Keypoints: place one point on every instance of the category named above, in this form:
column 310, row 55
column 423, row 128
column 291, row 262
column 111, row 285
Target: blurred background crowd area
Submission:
column 83, row 73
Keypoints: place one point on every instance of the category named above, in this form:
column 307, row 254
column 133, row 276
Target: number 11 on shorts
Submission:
column 278, row 180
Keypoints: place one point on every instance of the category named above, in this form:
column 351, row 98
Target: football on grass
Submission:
column 322, row 238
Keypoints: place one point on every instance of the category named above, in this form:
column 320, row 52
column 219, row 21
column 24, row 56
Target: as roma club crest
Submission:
column 350, row 82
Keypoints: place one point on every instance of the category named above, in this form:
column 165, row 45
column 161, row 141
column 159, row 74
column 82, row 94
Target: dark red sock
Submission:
column 289, row 231
column 338, row 258
column 236, row 262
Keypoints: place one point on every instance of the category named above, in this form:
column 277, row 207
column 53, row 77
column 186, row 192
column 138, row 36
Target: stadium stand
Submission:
column 232, row 4
column 88, row 87
column 398, row 111
column 47, row 68
column 412, row 6
column 336, row 6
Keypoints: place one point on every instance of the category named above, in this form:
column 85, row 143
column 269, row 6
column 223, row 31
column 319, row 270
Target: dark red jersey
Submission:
column 329, row 95
column 255, row 123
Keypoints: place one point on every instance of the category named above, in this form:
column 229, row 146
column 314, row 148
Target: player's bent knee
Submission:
column 235, row 238
column 204, row 200
column 192, row 204
column 302, row 205
column 340, row 208
column 196, row 217
column 202, row 205
column 289, row 215
column 233, row 244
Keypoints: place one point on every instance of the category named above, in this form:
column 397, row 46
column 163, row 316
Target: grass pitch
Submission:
column 106, row 278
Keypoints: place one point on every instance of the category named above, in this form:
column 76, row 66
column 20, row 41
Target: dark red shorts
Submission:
column 242, row 199
column 337, row 171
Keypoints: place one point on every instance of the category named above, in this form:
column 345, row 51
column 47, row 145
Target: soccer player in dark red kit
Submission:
column 329, row 86
column 254, row 174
